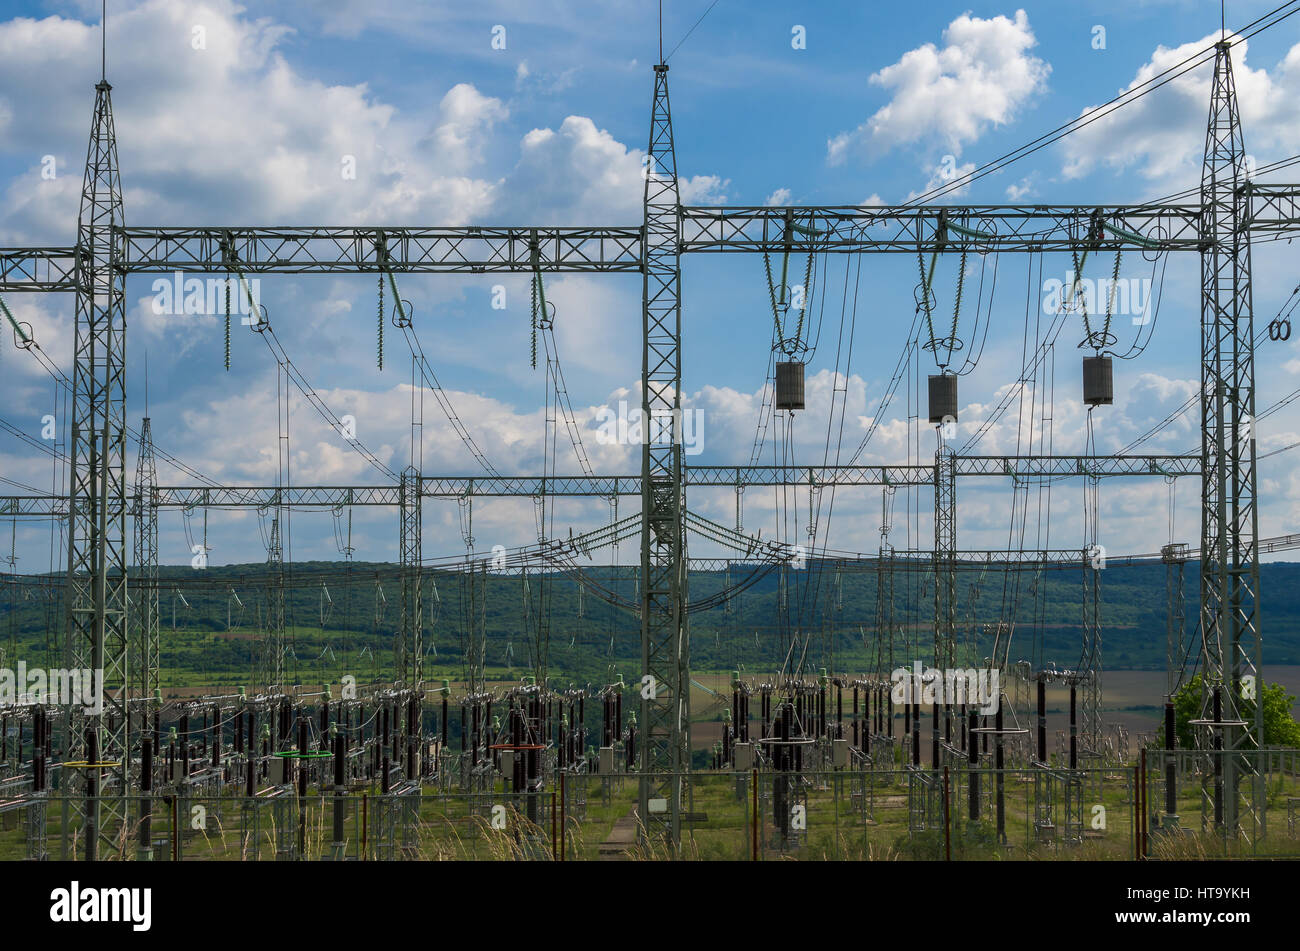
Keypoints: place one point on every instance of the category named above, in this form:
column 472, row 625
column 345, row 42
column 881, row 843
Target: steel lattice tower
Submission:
column 665, row 704
column 97, row 583
column 1174, row 555
column 1230, row 641
column 945, row 547
column 145, row 597
column 1090, row 673
column 410, row 647
column 271, row 661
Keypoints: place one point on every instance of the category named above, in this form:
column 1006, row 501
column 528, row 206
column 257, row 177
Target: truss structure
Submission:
column 1231, row 213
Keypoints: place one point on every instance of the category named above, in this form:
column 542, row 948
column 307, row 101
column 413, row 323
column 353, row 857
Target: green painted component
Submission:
column 293, row 754
column 17, row 329
column 712, row 693
column 804, row 230
column 392, row 282
column 1130, row 236
column 971, row 233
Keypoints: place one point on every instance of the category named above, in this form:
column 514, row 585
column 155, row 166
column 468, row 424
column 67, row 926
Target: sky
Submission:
column 538, row 114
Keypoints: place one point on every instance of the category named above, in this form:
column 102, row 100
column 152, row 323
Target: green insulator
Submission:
column 227, row 323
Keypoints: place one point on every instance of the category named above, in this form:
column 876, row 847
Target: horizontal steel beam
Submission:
column 1025, row 467
column 984, row 228
column 455, row 487
column 36, row 506
column 315, row 496
column 474, row 249
column 313, row 250
column 1274, row 210
column 38, row 269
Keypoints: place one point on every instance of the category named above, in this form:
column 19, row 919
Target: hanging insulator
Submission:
column 381, row 321
column 789, row 385
column 227, row 323
column 1098, row 381
column 943, row 398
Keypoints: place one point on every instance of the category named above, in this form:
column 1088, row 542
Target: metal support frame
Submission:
column 1229, row 580
column 97, row 576
column 411, row 649
column 1091, row 735
column 665, row 698
column 1274, row 214
column 1175, row 557
column 271, row 660
column 1231, row 210
column 145, row 618
column 945, row 546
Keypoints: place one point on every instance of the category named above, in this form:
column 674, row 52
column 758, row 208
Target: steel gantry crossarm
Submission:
column 1024, row 467
column 317, row 496
column 469, row 249
column 38, row 269
column 1274, row 211
column 907, row 228
column 412, row 250
column 603, row 486
column 1230, row 213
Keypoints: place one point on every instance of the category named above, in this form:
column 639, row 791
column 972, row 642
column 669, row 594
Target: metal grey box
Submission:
column 277, row 771
column 1098, row 381
column 789, row 385
column 744, row 756
column 943, row 397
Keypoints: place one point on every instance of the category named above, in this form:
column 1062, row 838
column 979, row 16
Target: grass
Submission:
column 854, row 816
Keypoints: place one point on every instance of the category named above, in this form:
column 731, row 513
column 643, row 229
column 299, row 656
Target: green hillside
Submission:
column 342, row 621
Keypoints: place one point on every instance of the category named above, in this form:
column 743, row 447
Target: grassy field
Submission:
column 848, row 814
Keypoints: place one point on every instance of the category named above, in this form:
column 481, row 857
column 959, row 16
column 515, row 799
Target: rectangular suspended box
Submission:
column 943, row 398
column 1098, row 381
column 789, row 385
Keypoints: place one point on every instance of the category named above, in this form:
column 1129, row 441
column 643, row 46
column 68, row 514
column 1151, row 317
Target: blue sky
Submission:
column 444, row 129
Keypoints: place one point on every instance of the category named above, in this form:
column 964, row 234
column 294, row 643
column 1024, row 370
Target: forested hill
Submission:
column 343, row 619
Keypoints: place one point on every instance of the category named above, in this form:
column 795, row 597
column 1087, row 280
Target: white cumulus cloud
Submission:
column 948, row 96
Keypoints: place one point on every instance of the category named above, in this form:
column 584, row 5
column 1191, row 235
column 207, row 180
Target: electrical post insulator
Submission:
column 943, row 398
column 789, row 385
column 1098, row 381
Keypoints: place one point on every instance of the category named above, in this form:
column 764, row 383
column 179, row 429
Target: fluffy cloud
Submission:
column 236, row 133
column 1161, row 136
column 947, row 97
column 579, row 172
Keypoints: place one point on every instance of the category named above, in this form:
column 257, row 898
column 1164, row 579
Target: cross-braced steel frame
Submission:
column 97, row 558
column 1220, row 229
column 665, row 649
column 1231, row 649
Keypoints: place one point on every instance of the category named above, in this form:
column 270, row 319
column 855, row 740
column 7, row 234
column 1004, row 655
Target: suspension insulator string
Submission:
column 926, row 281
column 956, row 308
column 1110, row 302
column 535, row 281
column 380, row 317
column 1075, row 289
column 227, row 321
